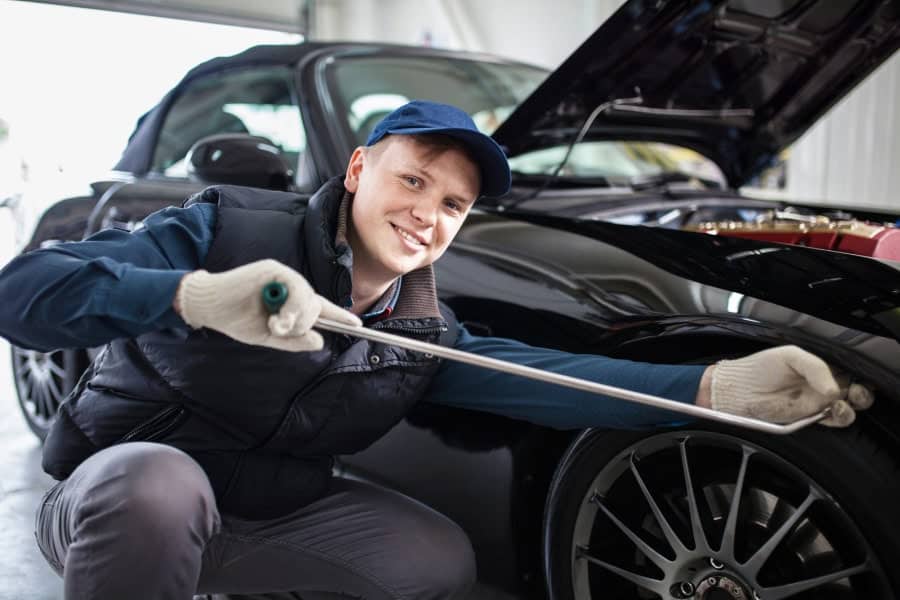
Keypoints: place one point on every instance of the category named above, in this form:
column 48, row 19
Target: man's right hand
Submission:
column 781, row 385
column 231, row 303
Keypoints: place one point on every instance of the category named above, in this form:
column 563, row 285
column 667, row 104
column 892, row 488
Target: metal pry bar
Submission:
column 567, row 381
column 274, row 294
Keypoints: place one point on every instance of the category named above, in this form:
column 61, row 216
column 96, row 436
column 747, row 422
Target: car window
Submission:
column 255, row 101
column 615, row 160
column 368, row 88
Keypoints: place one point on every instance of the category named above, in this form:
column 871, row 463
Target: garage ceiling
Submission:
column 281, row 15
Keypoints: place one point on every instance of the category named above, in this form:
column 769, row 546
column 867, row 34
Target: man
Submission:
column 195, row 454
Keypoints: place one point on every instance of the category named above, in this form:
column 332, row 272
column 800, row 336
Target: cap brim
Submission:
column 489, row 156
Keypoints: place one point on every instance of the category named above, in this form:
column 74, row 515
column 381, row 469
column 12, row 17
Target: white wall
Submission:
column 852, row 156
column 542, row 32
column 537, row 31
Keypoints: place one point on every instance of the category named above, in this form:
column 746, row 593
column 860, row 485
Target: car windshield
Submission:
column 633, row 163
column 369, row 87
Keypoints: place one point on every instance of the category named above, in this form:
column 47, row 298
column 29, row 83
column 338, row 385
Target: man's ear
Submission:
column 354, row 168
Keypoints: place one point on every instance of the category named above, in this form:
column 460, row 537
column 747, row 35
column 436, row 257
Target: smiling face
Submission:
column 410, row 199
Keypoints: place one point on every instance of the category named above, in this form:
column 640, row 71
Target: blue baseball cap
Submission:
column 423, row 116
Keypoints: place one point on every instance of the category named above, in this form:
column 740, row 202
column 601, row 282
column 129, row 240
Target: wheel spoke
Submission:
column 28, row 389
column 700, row 542
column 56, row 369
column 791, row 589
column 34, row 393
column 47, row 400
column 40, row 398
column 671, row 537
column 661, row 561
column 24, row 366
column 648, row 583
column 755, row 563
column 730, row 534
column 55, row 396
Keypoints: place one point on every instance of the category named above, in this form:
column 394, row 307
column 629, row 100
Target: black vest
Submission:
column 262, row 423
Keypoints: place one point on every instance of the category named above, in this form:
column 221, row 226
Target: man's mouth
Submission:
column 409, row 236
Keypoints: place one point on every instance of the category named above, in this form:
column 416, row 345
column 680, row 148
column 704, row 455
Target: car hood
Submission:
column 737, row 80
column 854, row 291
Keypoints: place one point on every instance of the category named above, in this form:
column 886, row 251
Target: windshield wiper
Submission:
column 562, row 180
column 641, row 183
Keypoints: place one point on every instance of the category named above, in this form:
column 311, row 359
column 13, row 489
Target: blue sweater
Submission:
column 120, row 284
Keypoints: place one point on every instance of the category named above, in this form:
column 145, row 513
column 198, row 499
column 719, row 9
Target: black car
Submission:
column 602, row 246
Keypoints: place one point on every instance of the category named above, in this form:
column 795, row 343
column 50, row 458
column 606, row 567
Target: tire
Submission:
column 43, row 380
column 817, row 516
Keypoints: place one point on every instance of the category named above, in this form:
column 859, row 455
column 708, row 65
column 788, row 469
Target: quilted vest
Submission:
column 263, row 423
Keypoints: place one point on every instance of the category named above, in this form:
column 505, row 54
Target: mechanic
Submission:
column 195, row 454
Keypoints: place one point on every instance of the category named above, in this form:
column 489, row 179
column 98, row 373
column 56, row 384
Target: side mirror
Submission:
column 239, row 159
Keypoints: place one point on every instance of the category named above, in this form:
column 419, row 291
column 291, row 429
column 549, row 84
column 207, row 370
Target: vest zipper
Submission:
column 159, row 425
column 418, row 330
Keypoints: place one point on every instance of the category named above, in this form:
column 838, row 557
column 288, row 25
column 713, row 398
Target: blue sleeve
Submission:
column 476, row 388
column 114, row 284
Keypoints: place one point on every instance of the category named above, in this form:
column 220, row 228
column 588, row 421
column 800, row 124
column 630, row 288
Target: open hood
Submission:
column 735, row 80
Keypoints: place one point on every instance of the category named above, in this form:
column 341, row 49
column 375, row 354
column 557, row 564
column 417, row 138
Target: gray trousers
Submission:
column 139, row 521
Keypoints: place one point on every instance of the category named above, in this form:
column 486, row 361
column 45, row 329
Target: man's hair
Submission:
column 434, row 143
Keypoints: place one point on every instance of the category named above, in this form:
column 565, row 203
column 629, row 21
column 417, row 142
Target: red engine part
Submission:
column 883, row 244
column 855, row 237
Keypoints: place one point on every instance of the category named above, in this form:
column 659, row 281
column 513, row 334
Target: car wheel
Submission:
column 650, row 515
column 43, row 380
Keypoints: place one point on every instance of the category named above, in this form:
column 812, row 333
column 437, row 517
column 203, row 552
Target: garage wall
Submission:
column 537, row 31
column 534, row 31
column 851, row 157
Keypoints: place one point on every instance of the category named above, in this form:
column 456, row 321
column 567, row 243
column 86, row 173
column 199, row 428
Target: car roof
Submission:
column 136, row 157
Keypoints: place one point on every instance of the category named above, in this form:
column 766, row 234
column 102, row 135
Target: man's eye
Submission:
column 413, row 181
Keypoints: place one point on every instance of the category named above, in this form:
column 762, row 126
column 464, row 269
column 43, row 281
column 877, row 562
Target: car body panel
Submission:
column 854, row 291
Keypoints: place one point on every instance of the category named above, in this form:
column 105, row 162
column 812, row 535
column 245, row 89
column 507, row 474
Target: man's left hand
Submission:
column 781, row 385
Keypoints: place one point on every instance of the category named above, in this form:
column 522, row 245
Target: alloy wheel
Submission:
column 43, row 379
column 710, row 516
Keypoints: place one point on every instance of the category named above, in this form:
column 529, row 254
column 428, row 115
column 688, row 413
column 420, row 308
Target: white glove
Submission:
column 231, row 303
column 783, row 384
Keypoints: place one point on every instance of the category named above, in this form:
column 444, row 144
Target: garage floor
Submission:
column 23, row 573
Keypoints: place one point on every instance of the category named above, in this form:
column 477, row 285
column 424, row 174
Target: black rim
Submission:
column 659, row 522
column 41, row 383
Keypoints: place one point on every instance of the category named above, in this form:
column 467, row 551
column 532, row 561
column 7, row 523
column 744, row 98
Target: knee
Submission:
column 155, row 489
column 444, row 562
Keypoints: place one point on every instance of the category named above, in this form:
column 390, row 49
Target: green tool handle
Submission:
column 274, row 295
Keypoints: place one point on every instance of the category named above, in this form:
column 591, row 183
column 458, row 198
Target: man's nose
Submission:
column 424, row 212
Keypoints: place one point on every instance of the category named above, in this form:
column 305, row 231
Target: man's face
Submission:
column 409, row 202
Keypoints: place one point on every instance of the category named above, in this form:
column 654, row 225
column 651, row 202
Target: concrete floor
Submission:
column 23, row 573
